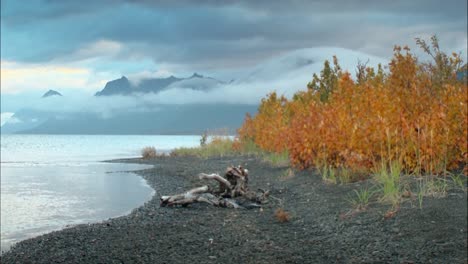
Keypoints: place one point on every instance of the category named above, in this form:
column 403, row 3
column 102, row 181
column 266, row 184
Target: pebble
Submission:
column 186, row 235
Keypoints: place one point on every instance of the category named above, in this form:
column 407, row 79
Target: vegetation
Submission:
column 361, row 198
column 148, row 153
column 459, row 180
column 432, row 187
column 204, row 139
column 389, row 181
column 287, row 174
column 421, row 194
column 409, row 113
column 217, row 146
column 408, row 118
column 328, row 174
column 282, row 216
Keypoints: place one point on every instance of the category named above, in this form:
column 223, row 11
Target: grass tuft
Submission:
column 360, row 199
column 287, row 174
column 388, row 178
column 459, row 181
column 328, row 174
column 421, row 193
column 436, row 187
column 431, row 187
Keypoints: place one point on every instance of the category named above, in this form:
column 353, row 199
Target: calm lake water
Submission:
column 52, row 181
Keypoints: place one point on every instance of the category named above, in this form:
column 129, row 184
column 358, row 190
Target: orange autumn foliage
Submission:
column 269, row 125
column 411, row 114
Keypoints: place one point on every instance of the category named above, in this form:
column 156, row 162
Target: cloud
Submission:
column 5, row 117
column 137, row 77
column 284, row 74
column 89, row 73
column 100, row 48
column 209, row 35
column 18, row 77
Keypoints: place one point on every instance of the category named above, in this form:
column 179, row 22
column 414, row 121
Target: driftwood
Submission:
column 233, row 191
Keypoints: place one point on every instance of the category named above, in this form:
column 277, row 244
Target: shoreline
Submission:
column 321, row 229
column 128, row 168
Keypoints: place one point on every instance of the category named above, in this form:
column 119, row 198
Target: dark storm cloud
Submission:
column 223, row 33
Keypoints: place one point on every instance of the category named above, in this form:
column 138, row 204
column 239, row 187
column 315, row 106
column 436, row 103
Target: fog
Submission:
column 285, row 74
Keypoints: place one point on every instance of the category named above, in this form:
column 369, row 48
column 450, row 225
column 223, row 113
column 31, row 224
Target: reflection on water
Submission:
column 49, row 149
column 36, row 200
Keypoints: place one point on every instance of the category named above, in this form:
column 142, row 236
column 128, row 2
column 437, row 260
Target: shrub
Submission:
column 415, row 114
column 203, row 139
column 148, row 152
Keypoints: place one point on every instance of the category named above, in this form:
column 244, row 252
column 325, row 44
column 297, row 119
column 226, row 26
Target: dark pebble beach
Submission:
column 323, row 227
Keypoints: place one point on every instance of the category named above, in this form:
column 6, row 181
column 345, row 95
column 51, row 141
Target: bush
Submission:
column 414, row 114
column 203, row 139
column 148, row 153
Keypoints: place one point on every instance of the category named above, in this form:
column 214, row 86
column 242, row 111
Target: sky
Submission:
column 77, row 46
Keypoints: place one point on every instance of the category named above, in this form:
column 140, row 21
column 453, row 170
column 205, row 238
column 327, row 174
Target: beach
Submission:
column 323, row 227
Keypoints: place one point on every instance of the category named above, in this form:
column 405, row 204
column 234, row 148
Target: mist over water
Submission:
column 49, row 182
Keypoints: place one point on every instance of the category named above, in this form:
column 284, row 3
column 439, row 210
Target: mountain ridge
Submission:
column 51, row 93
column 123, row 86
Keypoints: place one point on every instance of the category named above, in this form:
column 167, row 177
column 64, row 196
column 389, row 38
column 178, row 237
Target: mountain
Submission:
column 25, row 119
column 181, row 105
column 132, row 114
column 197, row 82
column 191, row 119
column 123, row 86
column 51, row 93
column 155, row 85
column 120, row 86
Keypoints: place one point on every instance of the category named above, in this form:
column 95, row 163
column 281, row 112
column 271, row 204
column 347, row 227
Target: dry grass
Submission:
column 148, row 153
column 217, row 146
column 276, row 159
column 282, row 216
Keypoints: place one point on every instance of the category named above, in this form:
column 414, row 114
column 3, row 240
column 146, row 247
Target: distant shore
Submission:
column 323, row 227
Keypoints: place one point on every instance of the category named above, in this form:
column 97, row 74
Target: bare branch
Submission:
column 216, row 177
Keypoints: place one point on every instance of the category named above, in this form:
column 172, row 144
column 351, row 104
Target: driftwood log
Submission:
column 233, row 191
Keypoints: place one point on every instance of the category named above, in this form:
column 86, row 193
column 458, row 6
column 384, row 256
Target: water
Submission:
column 52, row 181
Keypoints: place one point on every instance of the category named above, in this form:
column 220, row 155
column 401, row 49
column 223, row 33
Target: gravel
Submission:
column 323, row 227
